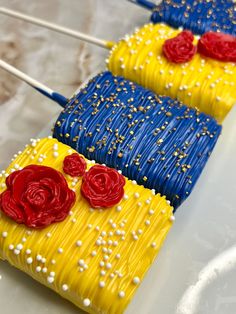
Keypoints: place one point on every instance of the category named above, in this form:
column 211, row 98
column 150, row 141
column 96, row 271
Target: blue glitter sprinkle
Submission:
column 198, row 16
column 154, row 140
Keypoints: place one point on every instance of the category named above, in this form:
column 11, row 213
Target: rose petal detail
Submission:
column 218, row 46
column 103, row 187
column 74, row 165
column 180, row 49
column 36, row 196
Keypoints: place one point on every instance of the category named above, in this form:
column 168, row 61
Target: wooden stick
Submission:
column 60, row 29
column 46, row 91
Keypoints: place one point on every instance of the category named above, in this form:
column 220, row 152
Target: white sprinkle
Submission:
column 115, row 243
column 19, row 246
column 44, row 270
column 136, row 195
column 104, row 249
column 103, row 234
column 79, row 243
column 38, row 257
column 147, row 222
column 55, row 146
column 102, row 284
column 94, row 253
column 135, row 237
column 11, row 247
column 108, row 265
column 126, row 197
column 105, row 257
column 117, row 256
column 48, row 235
column 55, row 154
column 136, row 280
column 40, row 159
column 118, row 208
column 43, row 260
column 38, row 269
column 81, row 262
column 86, row 302
column 50, row 279
column 121, row 294
column 29, row 260
column 4, row 234
column 89, row 226
column 60, row 250
column 102, row 264
column 24, row 240
column 153, row 244
column 172, row 218
column 113, row 225
column 98, row 242
column 112, row 275
column 97, row 228
column 53, row 261
column 52, row 274
column 140, row 231
column 151, row 212
column 28, row 251
column 102, row 273
column 16, row 252
column 65, row 287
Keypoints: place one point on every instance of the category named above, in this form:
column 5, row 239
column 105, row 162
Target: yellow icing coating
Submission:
column 94, row 258
column 204, row 83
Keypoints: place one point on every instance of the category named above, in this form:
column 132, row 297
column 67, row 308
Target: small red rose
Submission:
column 74, row 165
column 37, row 196
column 180, row 49
column 102, row 186
column 218, row 46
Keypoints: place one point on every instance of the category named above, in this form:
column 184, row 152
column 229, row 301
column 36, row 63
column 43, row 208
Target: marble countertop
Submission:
column 60, row 62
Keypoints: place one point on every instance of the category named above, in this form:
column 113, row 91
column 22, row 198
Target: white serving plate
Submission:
column 195, row 271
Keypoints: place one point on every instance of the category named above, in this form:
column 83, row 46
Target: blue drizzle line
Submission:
column 144, row 3
column 198, row 16
column 60, row 99
column 154, row 140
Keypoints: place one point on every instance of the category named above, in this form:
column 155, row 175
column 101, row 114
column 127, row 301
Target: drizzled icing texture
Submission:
column 156, row 141
column 198, row 16
column 94, row 258
column 202, row 83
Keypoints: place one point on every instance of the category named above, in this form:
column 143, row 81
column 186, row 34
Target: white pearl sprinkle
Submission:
column 121, row 294
column 108, row 265
column 44, row 270
column 28, row 251
column 65, row 287
column 172, row 218
column 86, row 302
column 43, row 260
column 81, row 262
column 102, row 264
column 4, row 234
column 102, row 284
column 50, row 279
column 136, row 280
column 53, row 261
column 29, row 260
column 52, row 274
column 16, row 252
column 136, row 195
column 94, row 253
column 117, row 256
column 79, row 243
column 102, row 273
column 126, row 197
column 147, row 222
column 38, row 257
column 48, row 235
column 153, row 244
column 38, row 269
column 60, row 250
column 11, row 247
column 55, row 154
column 118, row 208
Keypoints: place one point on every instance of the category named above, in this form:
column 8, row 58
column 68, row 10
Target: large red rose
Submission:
column 180, row 49
column 37, row 196
column 74, row 165
column 102, row 186
column 218, row 46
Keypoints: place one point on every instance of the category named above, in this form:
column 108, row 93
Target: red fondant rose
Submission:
column 180, row 49
column 36, row 196
column 74, row 165
column 218, row 46
column 103, row 186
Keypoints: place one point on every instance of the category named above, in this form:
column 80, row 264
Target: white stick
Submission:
column 48, row 92
column 64, row 30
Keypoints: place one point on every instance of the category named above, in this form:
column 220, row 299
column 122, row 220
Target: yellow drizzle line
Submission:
column 122, row 241
column 204, row 83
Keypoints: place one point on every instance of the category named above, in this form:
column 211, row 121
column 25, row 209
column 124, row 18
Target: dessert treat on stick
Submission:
column 198, row 16
column 154, row 140
column 199, row 72
column 81, row 229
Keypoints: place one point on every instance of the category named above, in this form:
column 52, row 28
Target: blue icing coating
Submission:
column 154, row 140
column 198, row 16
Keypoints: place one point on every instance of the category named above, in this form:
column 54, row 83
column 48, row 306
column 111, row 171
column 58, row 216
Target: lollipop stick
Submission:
column 145, row 3
column 60, row 29
column 46, row 91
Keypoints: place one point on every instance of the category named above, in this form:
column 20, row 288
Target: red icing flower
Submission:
column 218, row 46
column 36, row 196
column 74, row 165
column 180, row 49
column 102, row 186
